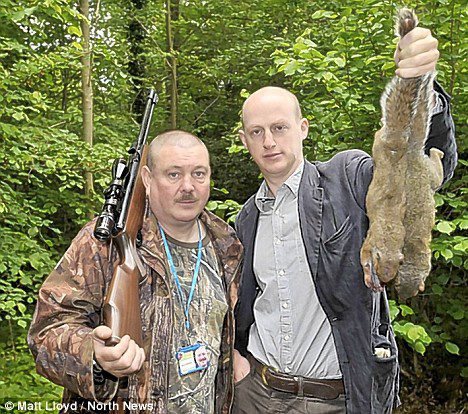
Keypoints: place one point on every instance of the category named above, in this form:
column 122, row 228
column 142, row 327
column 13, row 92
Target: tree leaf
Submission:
column 420, row 348
column 74, row 30
column 406, row 310
column 413, row 333
column 437, row 289
column 452, row 348
column 340, row 62
column 444, row 227
column 448, row 254
column 291, row 67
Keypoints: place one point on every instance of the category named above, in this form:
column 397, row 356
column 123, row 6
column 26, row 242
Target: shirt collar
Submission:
column 295, row 179
column 292, row 183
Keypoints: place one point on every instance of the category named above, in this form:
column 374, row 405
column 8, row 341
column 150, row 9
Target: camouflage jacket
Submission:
column 69, row 307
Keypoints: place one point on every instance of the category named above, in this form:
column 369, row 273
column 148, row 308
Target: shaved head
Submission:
column 175, row 138
column 269, row 92
column 273, row 131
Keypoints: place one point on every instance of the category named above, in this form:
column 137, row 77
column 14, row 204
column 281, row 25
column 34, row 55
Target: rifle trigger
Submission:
column 139, row 239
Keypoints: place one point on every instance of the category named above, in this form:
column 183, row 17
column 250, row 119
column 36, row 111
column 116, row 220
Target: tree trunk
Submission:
column 64, row 90
column 137, row 61
column 172, row 14
column 86, row 88
column 65, row 72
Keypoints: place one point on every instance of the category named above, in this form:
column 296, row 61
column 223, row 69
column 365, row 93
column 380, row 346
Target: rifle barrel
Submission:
column 136, row 152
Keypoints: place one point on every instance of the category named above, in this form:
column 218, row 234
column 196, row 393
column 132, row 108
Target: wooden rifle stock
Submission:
column 121, row 310
column 122, row 218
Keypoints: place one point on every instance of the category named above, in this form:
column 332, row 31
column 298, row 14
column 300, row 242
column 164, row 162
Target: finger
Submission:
column 414, row 35
column 126, row 360
column 418, row 47
column 247, row 368
column 114, row 353
column 396, row 56
column 238, row 376
column 420, row 60
column 243, row 373
column 138, row 362
column 101, row 333
column 415, row 72
column 132, row 366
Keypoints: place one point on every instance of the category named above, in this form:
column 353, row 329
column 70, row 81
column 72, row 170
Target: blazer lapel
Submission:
column 310, row 214
column 247, row 228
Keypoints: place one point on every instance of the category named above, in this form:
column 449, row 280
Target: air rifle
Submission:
column 121, row 219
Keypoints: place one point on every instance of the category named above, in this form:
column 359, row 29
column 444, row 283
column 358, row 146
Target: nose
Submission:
column 268, row 141
column 187, row 184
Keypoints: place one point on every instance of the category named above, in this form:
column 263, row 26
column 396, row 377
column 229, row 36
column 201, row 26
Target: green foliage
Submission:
column 227, row 209
column 18, row 377
column 42, row 158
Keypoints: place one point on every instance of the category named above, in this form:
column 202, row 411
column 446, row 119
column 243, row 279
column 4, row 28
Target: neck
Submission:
column 274, row 184
column 181, row 231
column 276, row 181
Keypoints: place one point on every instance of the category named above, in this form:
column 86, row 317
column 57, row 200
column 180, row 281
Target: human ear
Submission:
column 243, row 138
column 146, row 178
column 304, row 128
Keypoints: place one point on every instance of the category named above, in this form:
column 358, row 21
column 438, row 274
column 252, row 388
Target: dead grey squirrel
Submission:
column 400, row 200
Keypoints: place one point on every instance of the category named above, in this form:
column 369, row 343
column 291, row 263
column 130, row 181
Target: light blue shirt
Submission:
column 291, row 331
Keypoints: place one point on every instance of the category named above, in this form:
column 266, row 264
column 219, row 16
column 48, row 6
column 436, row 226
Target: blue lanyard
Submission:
column 176, row 278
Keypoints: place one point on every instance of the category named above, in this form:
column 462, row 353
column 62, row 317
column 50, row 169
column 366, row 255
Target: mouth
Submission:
column 187, row 202
column 272, row 155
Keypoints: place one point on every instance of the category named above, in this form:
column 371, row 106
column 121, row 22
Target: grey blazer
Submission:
column 333, row 223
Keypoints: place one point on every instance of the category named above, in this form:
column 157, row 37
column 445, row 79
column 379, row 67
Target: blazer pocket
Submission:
column 341, row 233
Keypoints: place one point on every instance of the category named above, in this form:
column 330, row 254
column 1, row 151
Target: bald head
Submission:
column 268, row 93
column 177, row 138
column 273, row 131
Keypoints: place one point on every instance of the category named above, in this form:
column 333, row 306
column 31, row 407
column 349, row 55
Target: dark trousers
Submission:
column 251, row 396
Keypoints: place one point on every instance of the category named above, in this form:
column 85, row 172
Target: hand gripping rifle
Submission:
column 121, row 218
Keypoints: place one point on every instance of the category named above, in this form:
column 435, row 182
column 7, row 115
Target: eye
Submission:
column 256, row 132
column 281, row 128
column 173, row 175
column 199, row 174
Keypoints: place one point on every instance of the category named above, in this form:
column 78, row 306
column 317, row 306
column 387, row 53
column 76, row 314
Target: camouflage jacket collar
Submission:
column 223, row 237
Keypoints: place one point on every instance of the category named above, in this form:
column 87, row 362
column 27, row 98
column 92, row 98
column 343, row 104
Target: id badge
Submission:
column 192, row 358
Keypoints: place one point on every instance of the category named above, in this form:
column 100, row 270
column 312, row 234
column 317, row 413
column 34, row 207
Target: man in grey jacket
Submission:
column 306, row 324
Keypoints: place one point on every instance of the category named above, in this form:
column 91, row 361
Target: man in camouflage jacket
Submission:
column 69, row 308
